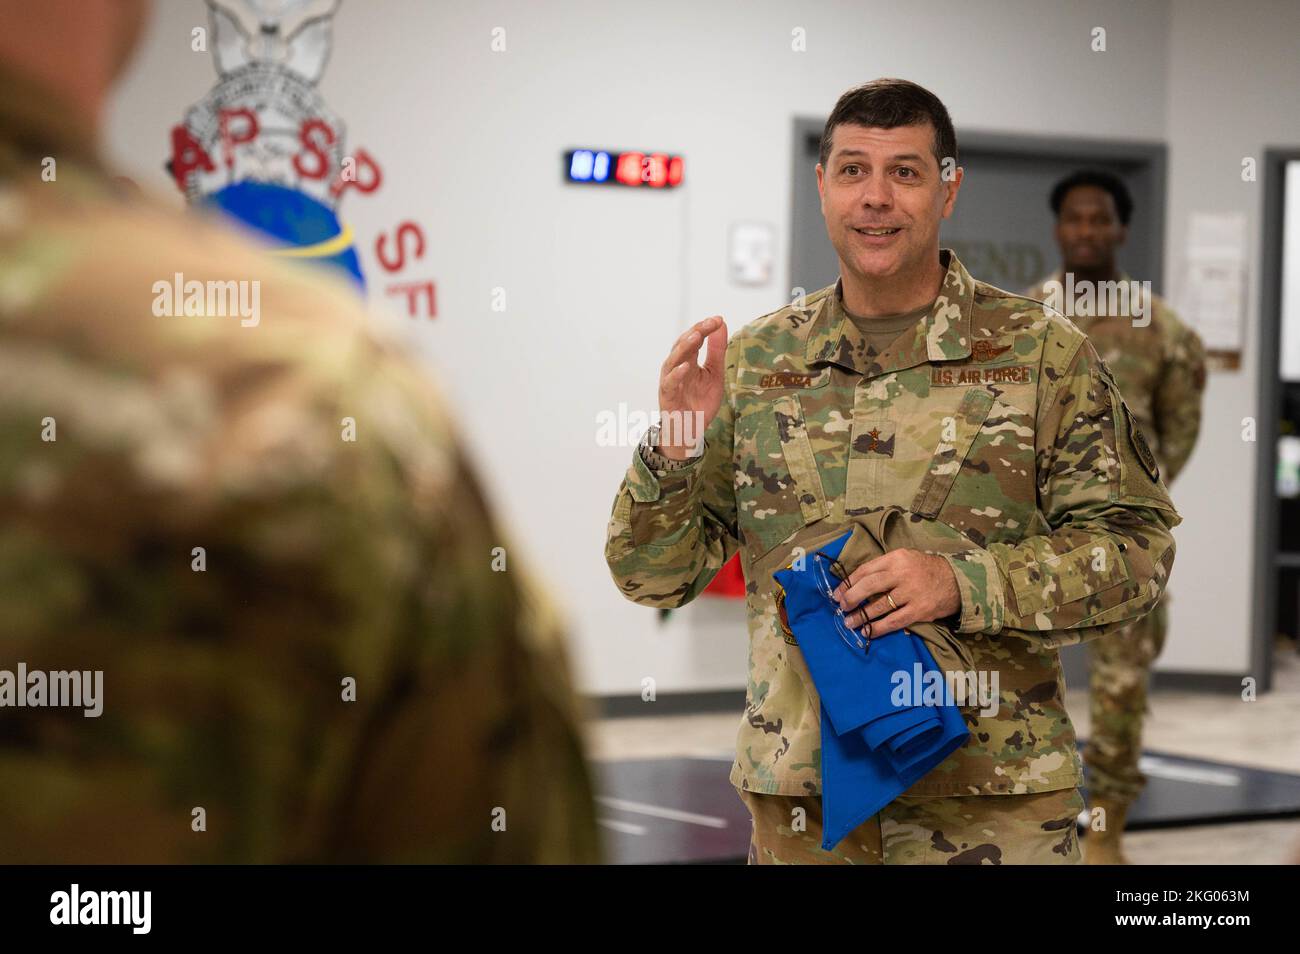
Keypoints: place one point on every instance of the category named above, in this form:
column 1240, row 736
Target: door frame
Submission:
column 1268, row 412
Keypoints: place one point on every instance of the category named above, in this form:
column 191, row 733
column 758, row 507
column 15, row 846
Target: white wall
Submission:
column 600, row 281
column 1233, row 76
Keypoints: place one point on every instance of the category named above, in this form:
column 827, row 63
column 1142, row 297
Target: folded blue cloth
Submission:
column 873, row 750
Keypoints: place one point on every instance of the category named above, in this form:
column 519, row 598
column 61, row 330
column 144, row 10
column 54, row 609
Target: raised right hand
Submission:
column 689, row 393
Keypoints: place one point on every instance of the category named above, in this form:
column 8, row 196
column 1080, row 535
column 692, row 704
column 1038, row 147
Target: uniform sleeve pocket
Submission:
column 1072, row 576
column 956, row 434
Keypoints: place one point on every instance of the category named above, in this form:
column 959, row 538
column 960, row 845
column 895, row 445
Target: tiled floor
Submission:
column 1264, row 734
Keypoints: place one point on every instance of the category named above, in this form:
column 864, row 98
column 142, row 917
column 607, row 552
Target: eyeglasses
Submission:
column 851, row 637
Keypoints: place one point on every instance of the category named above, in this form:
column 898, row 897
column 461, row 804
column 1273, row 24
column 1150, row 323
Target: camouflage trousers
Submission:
column 1034, row 829
column 1119, row 667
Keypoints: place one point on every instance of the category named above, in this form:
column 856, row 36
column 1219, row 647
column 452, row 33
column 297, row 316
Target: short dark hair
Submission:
column 1102, row 180
column 889, row 103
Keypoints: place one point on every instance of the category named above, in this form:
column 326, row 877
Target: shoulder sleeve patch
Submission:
column 1140, row 446
column 1139, row 470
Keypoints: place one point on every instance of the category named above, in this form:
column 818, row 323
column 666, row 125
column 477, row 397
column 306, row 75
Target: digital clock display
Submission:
column 653, row 170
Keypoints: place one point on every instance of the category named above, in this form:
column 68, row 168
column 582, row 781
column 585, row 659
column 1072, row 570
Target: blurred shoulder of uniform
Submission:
column 179, row 313
column 124, row 256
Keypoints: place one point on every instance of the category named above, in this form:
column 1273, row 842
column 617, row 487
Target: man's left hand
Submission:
column 921, row 585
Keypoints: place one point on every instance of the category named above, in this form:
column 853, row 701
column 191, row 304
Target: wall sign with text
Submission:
column 264, row 148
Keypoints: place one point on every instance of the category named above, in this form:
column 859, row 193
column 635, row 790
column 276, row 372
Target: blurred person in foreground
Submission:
column 264, row 535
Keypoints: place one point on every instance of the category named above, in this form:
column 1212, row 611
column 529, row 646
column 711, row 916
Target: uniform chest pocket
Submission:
column 777, row 483
column 957, row 432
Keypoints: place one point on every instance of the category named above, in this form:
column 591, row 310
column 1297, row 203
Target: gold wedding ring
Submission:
column 892, row 604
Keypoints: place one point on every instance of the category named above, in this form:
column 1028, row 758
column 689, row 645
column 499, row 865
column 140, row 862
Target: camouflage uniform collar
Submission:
column 35, row 123
column 943, row 334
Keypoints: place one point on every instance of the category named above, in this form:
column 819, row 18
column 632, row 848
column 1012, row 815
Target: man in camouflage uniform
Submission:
column 908, row 383
column 306, row 652
column 1159, row 364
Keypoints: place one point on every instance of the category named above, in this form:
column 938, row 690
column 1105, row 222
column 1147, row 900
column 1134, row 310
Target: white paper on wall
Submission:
column 1212, row 294
column 750, row 252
